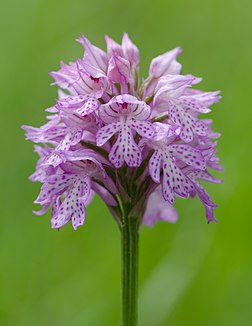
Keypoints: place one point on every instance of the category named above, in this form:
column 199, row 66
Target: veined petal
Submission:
column 141, row 111
column 66, row 76
column 113, row 47
column 119, row 70
column 165, row 64
column 96, row 57
column 124, row 105
column 130, row 50
column 109, row 113
column 174, row 86
column 92, row 72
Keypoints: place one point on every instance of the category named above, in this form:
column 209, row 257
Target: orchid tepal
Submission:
column 137, row 145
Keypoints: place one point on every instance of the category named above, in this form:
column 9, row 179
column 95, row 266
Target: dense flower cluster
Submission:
column 135, row 145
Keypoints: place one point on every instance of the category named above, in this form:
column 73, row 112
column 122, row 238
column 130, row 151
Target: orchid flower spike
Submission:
column 135, row 145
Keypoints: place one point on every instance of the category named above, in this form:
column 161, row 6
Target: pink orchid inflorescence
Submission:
column 135, row 144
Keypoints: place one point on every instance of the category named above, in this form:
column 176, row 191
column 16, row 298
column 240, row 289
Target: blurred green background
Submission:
column 191, row 273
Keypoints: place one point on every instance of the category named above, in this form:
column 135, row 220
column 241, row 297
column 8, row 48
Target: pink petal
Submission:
column 189, row 155
column 119, row 70
column 88, row 107
column 113, row 47
column 155, row 166
column 165, row 64
column 106, row 132
column 189, row 125
column 96, row 57
column 159, row 209
column 43, row 210
column 125, row 149
column 192, row 104
column 143, row 128
column 54, row 185
column 73, row 207
column 130, row 50
column 140, row 111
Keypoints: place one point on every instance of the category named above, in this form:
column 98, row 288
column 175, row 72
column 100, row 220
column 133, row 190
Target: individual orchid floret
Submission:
column 74, row 185
column 166, row 153
column 124, row 115
column 171, row 96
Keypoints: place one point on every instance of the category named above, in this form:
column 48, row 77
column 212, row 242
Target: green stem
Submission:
column 129, row 243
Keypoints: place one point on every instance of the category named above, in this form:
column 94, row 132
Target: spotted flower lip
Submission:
column 135, row 144
column 124, row 114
